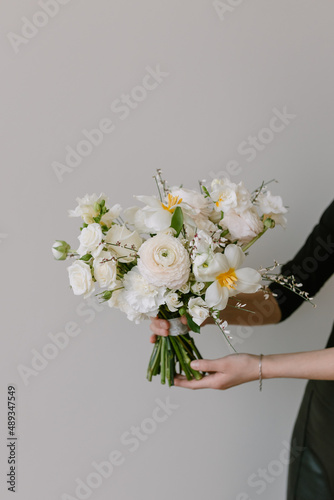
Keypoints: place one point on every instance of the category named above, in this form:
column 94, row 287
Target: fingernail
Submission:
column 194, row 365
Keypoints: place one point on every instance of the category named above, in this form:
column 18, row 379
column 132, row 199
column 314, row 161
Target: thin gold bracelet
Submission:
column 260, row 372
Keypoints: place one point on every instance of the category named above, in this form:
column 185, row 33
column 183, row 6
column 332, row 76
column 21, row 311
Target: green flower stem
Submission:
column 246, row 247
column 154, row 362
column 179, row 355
column 187, row 348
column 170, row 362
column 188, row 358
column 191, row 342
column 163, row 359
column 226, row 337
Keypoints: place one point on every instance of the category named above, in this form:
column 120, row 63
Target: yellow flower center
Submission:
column 227, row 279
column 172, row 201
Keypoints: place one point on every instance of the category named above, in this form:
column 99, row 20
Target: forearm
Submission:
column 313, row 365
column 263, row 311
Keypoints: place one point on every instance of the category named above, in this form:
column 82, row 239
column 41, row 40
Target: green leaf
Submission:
column 206, row 192
column 177, row 220
column 86, row 257
column 97, row 219
column 192, row 325
column 221, row 215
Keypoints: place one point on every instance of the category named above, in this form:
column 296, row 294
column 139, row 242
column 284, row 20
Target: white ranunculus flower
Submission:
column 85, row 208
column 80, row 276
column 242, row 227
column 173, row 301
column 164, row 261
column 123, row 243
column 169, row 231
column 90, row 240
column 230, row 196
column 142, row 296
column 105, row 270
column 198, row 310
column 226, row 277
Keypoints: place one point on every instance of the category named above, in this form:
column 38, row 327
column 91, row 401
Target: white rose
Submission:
column 81, row 278
column 197, row 287
column 60, row 249
column 90, row 240
column 242, row 227
column 86, row 207
column 105, row 270
column 198, row 310
column 173, row 301
column 164, row 261
column 184, row 289
column 123, row 242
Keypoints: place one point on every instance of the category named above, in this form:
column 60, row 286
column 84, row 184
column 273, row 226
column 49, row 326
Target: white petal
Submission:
column 234, row 255
column 248, row 280
column 216, row 296
column 151, row 201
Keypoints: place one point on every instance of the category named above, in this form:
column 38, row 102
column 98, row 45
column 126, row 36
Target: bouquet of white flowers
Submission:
column 181, row 254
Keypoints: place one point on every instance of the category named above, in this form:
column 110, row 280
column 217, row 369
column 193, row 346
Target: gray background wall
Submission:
column 226, row 74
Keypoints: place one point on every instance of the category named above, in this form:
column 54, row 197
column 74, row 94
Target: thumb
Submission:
column 206, row 365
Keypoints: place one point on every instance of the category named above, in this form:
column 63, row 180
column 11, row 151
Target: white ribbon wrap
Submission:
column 177, row 327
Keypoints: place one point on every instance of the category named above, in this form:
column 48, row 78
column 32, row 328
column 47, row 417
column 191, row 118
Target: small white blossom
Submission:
column 173, row 301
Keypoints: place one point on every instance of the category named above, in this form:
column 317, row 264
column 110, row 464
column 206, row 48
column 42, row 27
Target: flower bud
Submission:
column 60, row 249
column 269, row 222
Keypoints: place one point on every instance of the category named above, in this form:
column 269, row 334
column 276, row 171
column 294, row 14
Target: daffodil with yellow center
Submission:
column 226, row 277
column 172, row 202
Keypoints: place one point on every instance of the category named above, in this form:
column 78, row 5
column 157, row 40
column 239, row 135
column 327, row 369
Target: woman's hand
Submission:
column 224, row 373
column 237, row 369
column 161, row 327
